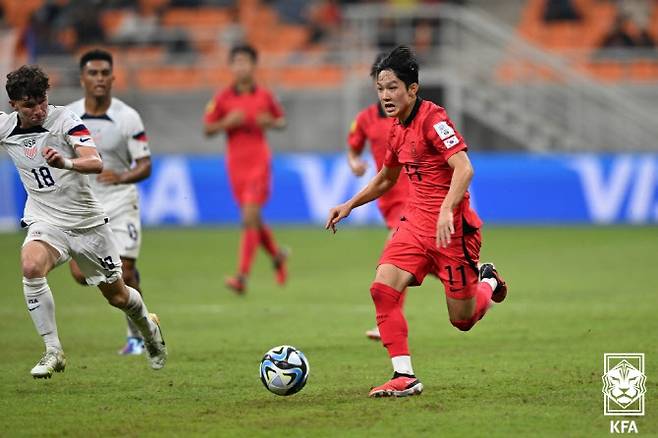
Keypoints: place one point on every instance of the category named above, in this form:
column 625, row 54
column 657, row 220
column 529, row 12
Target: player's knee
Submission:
column 117, row 297
column 463, row 325
column 31, row 268
column 118, row 300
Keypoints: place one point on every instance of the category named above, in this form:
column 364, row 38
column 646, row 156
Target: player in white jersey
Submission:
column 53, row 151
column 119, row 135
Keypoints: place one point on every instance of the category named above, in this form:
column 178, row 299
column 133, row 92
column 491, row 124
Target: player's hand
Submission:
column 358, row 166
column 108, row 177
column 265, row 120
column 336, row 214
column 445, row 228
column 53, row 158
column 234, row 119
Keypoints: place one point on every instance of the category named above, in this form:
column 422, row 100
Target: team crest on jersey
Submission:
column 444, row 130
column 30, row 148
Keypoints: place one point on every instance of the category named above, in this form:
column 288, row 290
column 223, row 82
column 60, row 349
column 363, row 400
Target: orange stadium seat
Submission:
column 319, row 76
column 643, row 70
column 18, row 12
column 195, row 17
column 111, row 20
column 580, row 38
column 169, row 78
column 608, row 71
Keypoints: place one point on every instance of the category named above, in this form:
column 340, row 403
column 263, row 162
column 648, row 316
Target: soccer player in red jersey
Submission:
column 439, row 233
column 372, row 125
column 244, row 111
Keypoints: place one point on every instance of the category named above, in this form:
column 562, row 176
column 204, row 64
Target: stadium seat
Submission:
column 18, row 12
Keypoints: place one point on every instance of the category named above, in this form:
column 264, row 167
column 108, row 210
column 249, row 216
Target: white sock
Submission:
column 491, row 282
column 41, row 305
column 137, row 312
column 402, row 365
column 132, row 330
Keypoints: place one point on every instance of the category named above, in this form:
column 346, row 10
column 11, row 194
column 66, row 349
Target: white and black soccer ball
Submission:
column 284, row 370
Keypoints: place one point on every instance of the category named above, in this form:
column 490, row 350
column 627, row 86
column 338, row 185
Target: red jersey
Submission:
column 246, row 143
column 371, row 124
column 422, row 145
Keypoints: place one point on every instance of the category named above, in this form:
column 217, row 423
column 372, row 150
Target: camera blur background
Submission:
column 516, row 76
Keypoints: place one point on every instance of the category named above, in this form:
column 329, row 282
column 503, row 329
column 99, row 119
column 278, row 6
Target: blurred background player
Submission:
column 440, row 233
column 244, row 111
column 118, row 132
column 52, row 150
column 372, row 125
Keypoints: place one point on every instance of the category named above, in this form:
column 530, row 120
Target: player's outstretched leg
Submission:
column 134, row 342
column 470, row 305
column 130, row 301
column 393, row 328
column 37, row 259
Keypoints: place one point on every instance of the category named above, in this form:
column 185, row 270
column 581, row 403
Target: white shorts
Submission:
column 93, row 249
column 127, row 229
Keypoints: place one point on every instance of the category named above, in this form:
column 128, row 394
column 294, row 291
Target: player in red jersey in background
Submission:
column 244, row 111
column 439, row 234
column 372, row 125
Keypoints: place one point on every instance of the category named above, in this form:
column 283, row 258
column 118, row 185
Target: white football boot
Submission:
column 53, row 361
column 374, row 334
column 156, row 350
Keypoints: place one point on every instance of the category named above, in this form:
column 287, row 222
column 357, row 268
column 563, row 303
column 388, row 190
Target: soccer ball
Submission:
column 284, row 370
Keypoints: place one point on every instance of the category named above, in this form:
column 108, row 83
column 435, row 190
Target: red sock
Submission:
column 248, row 245
column 390, row 319
column 267, row 240
column 482, row 304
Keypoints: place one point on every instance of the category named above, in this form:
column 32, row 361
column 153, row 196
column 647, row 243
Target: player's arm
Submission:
column 268, row 121
column 355, row 162
column 461, row 178
column 87, row 161
column 231, row 120
column 380, row 184
column 273, row 117
column 356, row 141
column 139, row 172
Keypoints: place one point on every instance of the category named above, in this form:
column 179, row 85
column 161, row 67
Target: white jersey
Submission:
column 60, row 197
column 120, row 139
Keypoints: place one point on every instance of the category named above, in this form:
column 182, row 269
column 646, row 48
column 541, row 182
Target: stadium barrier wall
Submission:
column 507, row 189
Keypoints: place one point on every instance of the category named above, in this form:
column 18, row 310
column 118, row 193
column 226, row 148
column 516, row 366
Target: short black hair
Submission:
column 28, row 82
column 96, row 55
column 379, row 58
column 243, row 48
column 402, row 61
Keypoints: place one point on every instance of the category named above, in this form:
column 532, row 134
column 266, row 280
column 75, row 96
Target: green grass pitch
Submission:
column 531, row 367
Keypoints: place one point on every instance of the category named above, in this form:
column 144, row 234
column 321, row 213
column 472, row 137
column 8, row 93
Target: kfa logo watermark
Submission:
column 623, row 389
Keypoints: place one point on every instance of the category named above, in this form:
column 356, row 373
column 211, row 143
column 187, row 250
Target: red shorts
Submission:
column 392, row 212
column 456, row 265
column 253, row 188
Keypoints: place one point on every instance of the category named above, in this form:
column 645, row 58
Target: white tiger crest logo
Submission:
column 624, row 384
